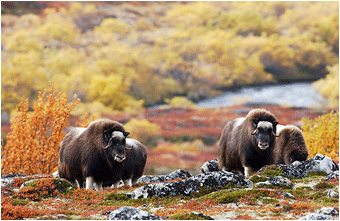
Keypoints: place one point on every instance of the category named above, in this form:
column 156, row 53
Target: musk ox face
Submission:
column 114, row 145
column 264, row 133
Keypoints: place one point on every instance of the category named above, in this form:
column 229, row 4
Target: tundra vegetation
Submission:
column 71, row 43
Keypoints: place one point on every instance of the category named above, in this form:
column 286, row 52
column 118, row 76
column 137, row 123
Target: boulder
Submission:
column 316, row 216
column 8, row 180
column 332, row 194
column 131, row 213
column 191, row 185
column 330, row 211
column 210, row 166
column 332, row 176
column 183, row 174
column 319, row 163
column 277, row 181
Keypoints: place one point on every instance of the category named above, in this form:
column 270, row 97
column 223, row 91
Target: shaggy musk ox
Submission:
column 96, row 154
column 247, row 144
column 290, row 145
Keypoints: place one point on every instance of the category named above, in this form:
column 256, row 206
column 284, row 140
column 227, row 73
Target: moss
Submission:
column 19, row 202
column 270, row 201
column 256, row 179
column 324, row 185
column 189, row 216
column 272, row 171
column 316, row 174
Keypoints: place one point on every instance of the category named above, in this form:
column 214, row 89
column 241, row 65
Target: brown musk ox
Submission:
column 290, row 145
column 93, row 154
column 247, row 143
column 133, row 165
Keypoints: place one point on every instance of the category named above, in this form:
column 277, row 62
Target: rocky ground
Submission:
column 303, row 190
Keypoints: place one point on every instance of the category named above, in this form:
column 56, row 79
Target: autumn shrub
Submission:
column 143, row 130
column 34, row 140
column 322, row 135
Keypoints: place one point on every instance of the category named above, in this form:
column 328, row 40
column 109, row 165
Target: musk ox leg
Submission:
column 79, row 184
column 98, row 186
column 116, row 184
column 89, row 182
column 127, row 182
column 247, row 171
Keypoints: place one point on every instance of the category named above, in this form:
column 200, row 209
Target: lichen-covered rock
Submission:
column 332, row 194
column 210, row 166
column 332, row 176
column 183, row 174
column 316, row 216
column 330, row 211
column 131, row 213
column 285, row 194
column 319, row 163
column 7, row 180
column 191, row 185
column 277, row 181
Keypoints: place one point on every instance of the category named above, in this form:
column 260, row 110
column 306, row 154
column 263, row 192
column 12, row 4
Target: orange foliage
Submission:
column 45, row 187
column 34, row 140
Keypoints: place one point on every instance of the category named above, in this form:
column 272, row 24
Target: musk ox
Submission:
column 247, row 144
column 93, row 154
column 133, row 165
column 290, row 145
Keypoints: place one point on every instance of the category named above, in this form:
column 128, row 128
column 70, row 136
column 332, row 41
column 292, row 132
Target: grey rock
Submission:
column 319, row 163
column 8, row 180
column 285, row 194
column 191, row 185
column 276, row 181
column 210, row 166
column 332, row 194
column 330, row 211
column 332, row 176
column 171, row 176
column 316, row 216
column 131, row 213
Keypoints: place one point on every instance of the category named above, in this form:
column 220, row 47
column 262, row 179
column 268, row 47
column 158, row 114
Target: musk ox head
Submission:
column 264, row 133
column 114, row 145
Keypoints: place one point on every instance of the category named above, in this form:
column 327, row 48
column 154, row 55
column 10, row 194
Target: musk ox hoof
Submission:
column 131, row 213
column 210, row 166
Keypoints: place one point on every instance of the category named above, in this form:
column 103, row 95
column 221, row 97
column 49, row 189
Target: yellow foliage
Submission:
column 143, row 130
column 322, row 135
column 329, row 86
column 180, row 102
column 34, row 140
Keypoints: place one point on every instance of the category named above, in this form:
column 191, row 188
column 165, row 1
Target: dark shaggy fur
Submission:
column 239, row 150
column 133, row 165
column 82, row 153
column 290, row 145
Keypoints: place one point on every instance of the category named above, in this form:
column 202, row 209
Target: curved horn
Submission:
column 276, row 135
column 252, row 133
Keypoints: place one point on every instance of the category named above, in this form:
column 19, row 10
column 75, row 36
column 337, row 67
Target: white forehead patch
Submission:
column 265, row 124
column 118, row 134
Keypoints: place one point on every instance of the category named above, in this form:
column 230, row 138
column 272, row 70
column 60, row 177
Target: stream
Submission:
column 301, row 94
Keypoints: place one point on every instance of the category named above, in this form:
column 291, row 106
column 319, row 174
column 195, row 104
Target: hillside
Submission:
column 110, row 53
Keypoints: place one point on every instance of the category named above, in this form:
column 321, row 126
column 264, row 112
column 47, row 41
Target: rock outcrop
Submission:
column 183, row 174
column 131, row 213
column 191, row 185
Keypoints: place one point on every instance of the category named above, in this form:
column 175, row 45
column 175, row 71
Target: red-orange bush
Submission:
column 34, row 140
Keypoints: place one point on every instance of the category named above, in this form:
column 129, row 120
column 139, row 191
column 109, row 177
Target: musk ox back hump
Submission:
column 290, row 145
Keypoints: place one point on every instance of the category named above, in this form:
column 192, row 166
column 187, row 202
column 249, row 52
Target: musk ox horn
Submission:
column 252, row 133
column 276, row 135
